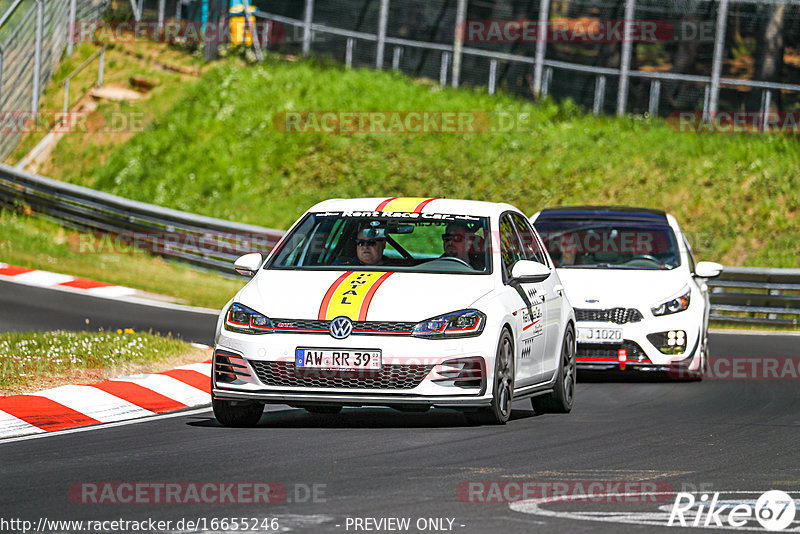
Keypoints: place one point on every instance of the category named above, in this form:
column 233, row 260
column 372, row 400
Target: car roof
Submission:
column 415, row 204
column 626, row 213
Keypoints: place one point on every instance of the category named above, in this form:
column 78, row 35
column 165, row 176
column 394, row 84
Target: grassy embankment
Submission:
column 31, row 361
column 210, row 147
column 217, row 147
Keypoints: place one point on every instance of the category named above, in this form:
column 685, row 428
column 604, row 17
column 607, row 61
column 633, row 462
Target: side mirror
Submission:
column 529, row 272
column 248, row 264
column 707, row 269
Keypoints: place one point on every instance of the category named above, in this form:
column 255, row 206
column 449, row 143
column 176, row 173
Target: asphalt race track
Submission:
column 738, row 437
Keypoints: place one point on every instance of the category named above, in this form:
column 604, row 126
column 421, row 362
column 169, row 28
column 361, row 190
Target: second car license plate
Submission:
column 337, row 358
column 600, row 335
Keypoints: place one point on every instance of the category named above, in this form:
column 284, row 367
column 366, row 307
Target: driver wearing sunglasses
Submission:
column 369, row 247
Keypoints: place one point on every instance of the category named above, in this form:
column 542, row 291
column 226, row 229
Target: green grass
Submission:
column 735, row 195
column 39, row 244
column 27, row 356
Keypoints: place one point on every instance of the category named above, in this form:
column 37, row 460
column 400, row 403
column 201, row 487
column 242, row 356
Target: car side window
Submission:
column 510, row 249
column 531, row 247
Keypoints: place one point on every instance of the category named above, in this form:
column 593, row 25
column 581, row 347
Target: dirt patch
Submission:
column 90, row 376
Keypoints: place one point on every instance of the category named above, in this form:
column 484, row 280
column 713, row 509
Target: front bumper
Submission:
column 640, row 352
column 262, row 368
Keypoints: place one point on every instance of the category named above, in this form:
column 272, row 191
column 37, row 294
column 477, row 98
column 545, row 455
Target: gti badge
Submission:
column 341, row 327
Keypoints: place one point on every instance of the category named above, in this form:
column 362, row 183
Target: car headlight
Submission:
column 246, row 321
column 464, row 323
column 673, row 305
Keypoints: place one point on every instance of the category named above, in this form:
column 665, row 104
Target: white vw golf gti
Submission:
column 641, row 301
column 401, row 302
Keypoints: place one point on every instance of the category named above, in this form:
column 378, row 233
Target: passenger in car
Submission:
column 460, row 241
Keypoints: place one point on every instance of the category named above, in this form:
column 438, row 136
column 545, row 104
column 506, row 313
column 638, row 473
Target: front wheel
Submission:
column 237, row 414
column 561, row 399
column 503, row 386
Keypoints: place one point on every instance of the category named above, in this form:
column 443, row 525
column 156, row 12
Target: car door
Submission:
column 529, row 311
column 548, row 296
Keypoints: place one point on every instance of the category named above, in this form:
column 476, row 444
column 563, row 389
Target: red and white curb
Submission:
column 35, row 277
column 117, row 399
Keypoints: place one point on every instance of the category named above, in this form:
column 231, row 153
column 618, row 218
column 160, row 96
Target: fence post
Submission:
column 383, row 17
column 135, row 9
column 599, row 95
column 547, row 80
column 541, row 45
column 625, row 60
column 250, row 27
column 655, row 97
column 348, row 53
column 719, row 48
column 71, row 28
column 161, row 7
column 443, row 69
column 766, row 102
column 492, row 76
column 398, row 52
column 101, row 67
column 37, row 62
column 458, row 41
column 307, row 16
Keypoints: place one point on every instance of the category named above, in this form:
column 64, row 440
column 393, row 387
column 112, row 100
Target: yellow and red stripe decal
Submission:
column 350, row 295
column 404, row 204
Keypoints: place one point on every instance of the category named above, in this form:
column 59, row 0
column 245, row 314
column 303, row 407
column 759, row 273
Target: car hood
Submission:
column 608, row 288
column 361, row 295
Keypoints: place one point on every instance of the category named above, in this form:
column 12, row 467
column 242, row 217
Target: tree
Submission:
column 768, row 60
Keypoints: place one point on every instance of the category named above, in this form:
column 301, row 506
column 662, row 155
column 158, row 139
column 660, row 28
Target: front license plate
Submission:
column 600, row 335
column 338, row 358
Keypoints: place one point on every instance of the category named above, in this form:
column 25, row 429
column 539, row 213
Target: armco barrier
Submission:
column 754, row 295
column 203, row 241
column 745, row 295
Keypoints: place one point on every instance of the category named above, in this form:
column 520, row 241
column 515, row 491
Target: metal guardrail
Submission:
column 121, row 224
column 754, row 295
column 744, row 295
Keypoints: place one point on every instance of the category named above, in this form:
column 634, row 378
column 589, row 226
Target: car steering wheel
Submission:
column 453, row 258
column 647, row 257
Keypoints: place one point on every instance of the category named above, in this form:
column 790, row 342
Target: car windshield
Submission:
column 598, row 244
column 413, row 242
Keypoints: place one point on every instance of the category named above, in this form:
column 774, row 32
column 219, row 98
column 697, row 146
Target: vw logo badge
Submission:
column 341, row 327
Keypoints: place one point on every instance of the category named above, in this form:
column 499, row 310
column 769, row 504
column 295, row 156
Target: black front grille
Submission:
column 610, row 352
column 301, row 326
column 611, row 315
column 285, row 374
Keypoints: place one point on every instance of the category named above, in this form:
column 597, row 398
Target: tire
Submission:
column 237, row 415
column 502, row 387
column 561, row 399
column 326, row 410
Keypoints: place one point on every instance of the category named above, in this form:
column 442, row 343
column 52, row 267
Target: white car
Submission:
column 641, row 301
column 401, row 302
